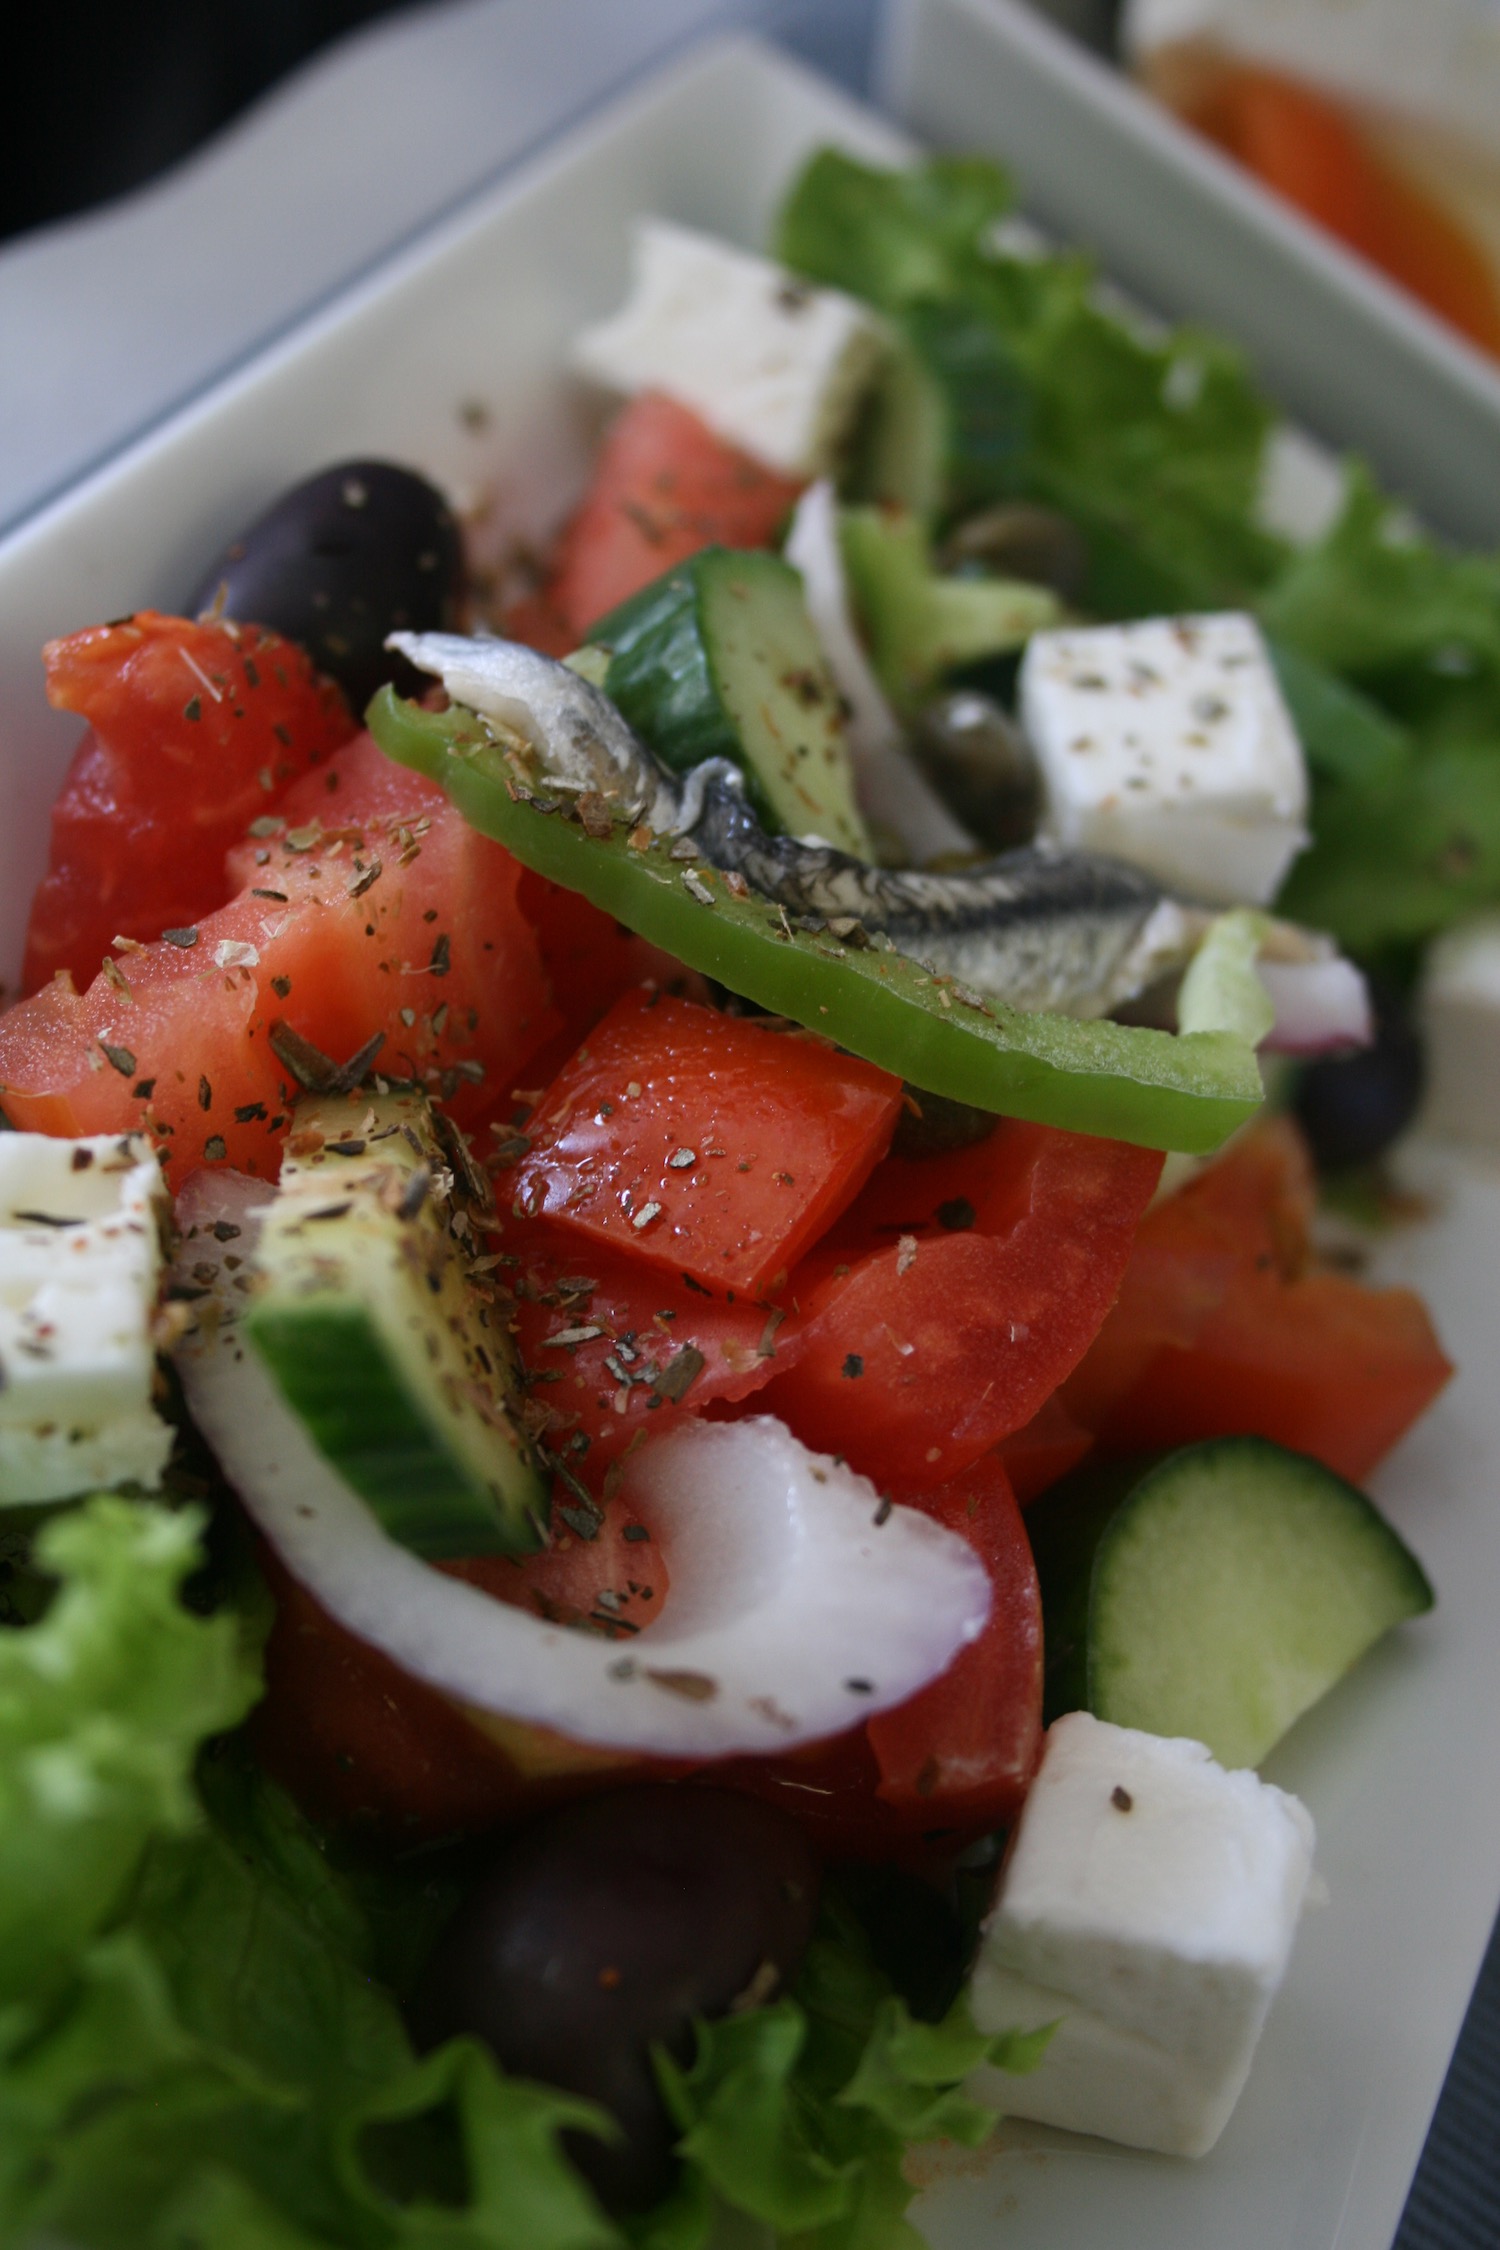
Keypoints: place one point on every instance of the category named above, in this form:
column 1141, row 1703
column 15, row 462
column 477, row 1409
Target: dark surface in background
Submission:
column 114, row 96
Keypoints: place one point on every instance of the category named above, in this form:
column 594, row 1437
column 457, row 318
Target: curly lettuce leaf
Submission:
column 1153, row 442
column 225, row 2060
column 195, row 2044
column 1387, row 644
column 895, row 238
column 1390, row 867
column 1374, row 600
column 796, row 2116
column 203, row 2050
column 104, row 1701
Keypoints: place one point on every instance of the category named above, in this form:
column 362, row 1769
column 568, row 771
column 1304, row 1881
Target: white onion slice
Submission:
column 892, row 790
column 792, row 1611
column 1320, row 1005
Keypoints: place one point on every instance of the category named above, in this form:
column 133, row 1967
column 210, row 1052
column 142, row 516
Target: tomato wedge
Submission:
column 1226, row 1325
column 196, row 727
column 664, row 486
column 956, row 1295
column 955, row 1762
column 372, row 910
column 616, row 1351
column 961, row 1754
column 703, row 1144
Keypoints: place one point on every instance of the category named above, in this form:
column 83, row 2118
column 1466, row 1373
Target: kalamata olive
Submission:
column 607, row 1926
column 339, row 562
column 1018, row 539
column 977, row 758
column 1352, row 1107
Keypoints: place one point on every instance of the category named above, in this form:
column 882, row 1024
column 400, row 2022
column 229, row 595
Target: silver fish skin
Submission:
column 579, row 736
column 1037, row 928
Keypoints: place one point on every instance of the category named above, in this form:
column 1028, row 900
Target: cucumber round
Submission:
column 1218, row 1592
column 718, row 659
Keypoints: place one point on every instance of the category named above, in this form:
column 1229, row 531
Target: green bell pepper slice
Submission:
column 1186, row 1091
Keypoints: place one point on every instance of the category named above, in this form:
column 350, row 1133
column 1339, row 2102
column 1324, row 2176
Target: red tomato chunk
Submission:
column 360, row 1743
column 1226, row 1324
column 196, row 729
column 962, row 1752
column 705, row 1145
column 956, row 1295
column 663, row 487
column 616, row 1350
column 374, row 909
column 954, row 1761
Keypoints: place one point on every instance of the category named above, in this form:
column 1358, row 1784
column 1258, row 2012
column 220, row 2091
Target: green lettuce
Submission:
column 201, row 2043
column 895, row 238
column 103, row 1703
column 1152, row 441
column 1387, row 643
column 195, row 2044
column 1417, row 624
column 797, row 2115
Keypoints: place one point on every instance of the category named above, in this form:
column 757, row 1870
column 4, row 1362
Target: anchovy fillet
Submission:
column 1037, row 928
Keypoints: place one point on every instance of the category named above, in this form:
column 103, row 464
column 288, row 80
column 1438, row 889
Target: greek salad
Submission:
column 675, row 1423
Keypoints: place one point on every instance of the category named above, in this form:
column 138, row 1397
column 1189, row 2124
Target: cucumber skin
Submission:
column 1086, row 1549
column 332, row 1368
column 677, row 677
column 401, row 1374
column 1066, row 1528
column 659, row 679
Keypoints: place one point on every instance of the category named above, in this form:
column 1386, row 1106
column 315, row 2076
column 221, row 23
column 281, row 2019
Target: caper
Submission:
column 977, row 758
column 1019, row 539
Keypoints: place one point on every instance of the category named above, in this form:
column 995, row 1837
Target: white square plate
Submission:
column 1401, row 1766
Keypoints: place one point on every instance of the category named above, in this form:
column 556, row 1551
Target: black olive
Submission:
column 339, row 562
column 978, row 760
column 1352, row 1107
column 608, row 1926
column 1019, row 539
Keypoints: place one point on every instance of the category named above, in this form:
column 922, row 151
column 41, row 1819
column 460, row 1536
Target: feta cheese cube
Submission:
column 775, row 365
column 1148, row 1906
column 80, row 1269
column 1460, row 1013
column 1167, row 743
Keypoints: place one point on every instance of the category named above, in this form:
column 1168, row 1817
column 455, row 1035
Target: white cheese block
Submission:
column 1460, row 1015
column 773, row 364
column 1148, row 1906
column 80, row 1270
column 1167, row 743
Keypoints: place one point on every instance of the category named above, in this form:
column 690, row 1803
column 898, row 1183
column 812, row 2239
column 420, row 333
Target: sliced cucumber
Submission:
column 382, row 1340
column 1216, row 1592
column 920, row 625
column 949, row 420
column 719, row 659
